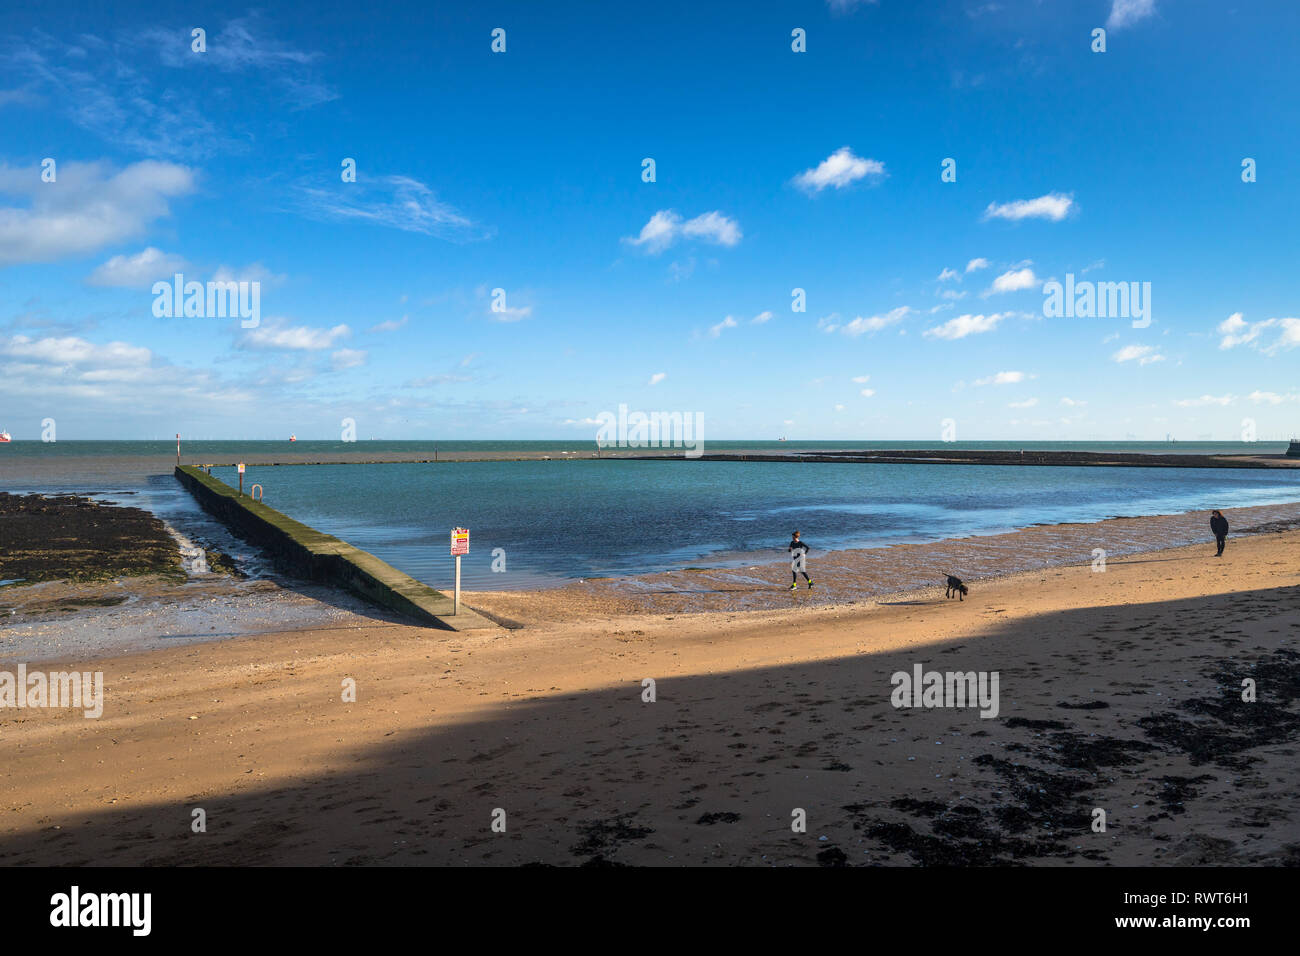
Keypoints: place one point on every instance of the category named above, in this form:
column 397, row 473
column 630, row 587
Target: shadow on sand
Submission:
column 1134, row 709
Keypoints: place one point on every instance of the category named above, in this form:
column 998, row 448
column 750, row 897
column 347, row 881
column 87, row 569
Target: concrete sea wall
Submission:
column 306, row 553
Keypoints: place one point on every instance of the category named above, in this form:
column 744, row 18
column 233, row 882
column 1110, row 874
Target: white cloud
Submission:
column 88, row 376
column 254, row 272
column 392, row 325
column 1206, row 400
column 727, row 323
column 1014, row 280
column 139, row 271
column 1144, row 354
column 1272, row 398
column 1124, row 13
column 874, row 323
column 347, row 358
column 88, row 207
column 658, row 377
column 395, row 202
column 1072, row 402
column 1053, row 206
column 965, row 325
column 762, row 318
column 845, row 6
column 1237, row 331
column 1027, row 403
column 867, row 392
column 293, row 338
column 841, row 168
column 861, row 379
column 71, row 350
column 116, row 90
column 1001, row 378
column 667, row 226
column 510, row 313
column 976, row 264
column 947, row 275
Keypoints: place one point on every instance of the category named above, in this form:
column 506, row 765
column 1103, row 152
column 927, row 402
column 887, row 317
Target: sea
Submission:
column 548, row 520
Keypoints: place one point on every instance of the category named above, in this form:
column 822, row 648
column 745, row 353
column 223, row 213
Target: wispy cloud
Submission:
column 964, row 325
column 1001, row 378
column 667, row 227
column 391, row 325
column 847, row 6
column 1053, row 206
column 1142, row 354
column 657, row 377
column 862, row 325
column 1125, row 13
column 841, row 168
column 728, row 323
column 347, row 358
column 275, row 334
column 139, row 271
column 976, row 264
column 1204, row 400
column 1235, row 330
column 145, row 90
column 394, row 202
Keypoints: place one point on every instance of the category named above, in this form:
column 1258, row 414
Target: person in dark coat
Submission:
column 1219, row 525
column 798, row 553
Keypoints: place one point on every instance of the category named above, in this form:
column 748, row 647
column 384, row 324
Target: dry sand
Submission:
column 1118, row 690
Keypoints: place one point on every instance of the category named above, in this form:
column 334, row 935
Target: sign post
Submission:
column 241, row 479
column 178, row 448
column 459, row 546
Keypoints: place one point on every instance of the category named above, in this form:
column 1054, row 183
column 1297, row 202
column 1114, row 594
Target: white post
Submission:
column 455, row 606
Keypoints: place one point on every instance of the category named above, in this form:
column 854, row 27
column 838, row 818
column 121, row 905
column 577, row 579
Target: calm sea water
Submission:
column 556, row 520
column 233, row 450
column 578, row 519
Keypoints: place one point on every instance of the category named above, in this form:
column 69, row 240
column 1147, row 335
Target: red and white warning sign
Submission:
column 241, row 467
column 459, row 541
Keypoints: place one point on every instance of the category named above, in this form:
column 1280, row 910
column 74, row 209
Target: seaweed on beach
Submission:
column 1219, row 728
column 72, row 538
column 600, row 837
column 1043, row 813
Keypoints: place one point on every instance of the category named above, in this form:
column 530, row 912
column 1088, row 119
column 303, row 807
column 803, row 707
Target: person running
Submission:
column 1219, row 525
column 798, row 551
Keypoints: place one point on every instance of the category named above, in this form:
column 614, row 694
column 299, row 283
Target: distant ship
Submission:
column 1292, row 452
column 5, row 436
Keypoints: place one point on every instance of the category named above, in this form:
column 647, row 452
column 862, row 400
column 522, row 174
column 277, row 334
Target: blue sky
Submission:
column 775, row 170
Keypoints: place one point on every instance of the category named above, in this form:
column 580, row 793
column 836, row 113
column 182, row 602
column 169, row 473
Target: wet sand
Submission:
column 1120, row 691
column 859, row 575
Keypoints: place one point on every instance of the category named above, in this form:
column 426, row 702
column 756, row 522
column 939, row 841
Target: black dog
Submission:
column 956, row 587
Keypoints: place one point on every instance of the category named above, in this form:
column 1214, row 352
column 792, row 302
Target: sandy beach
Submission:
column 1119, row 690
